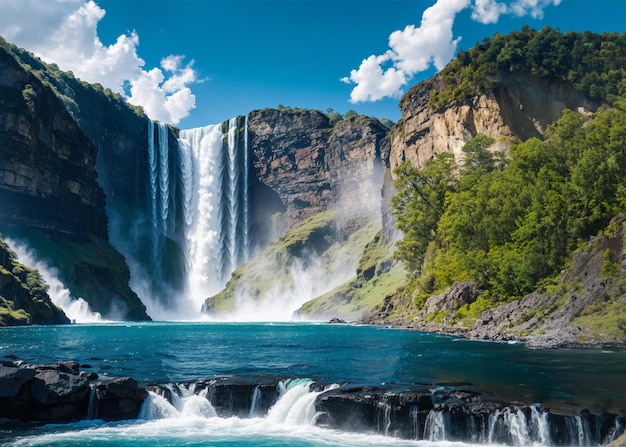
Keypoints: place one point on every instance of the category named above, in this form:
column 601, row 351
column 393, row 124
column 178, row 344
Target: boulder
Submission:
column 118, row 399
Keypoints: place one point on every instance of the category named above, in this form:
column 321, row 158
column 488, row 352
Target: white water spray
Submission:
column 215, row 206
column 76, row 309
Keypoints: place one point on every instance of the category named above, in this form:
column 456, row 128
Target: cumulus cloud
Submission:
column 71, row 41
column 432, row 44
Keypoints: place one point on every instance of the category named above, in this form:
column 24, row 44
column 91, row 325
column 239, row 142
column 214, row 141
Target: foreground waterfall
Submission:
column 440, row 416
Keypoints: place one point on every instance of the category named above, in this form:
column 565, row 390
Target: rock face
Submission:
column 519, row 107
column 313, row 165
column 50, row 197
column 48, row 177
column 60, row 393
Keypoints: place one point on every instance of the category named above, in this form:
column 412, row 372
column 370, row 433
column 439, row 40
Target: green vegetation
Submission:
column 83, row 100
column 594, row 64
column 315, row 239
column 24, row 294
column 377, row 276
column 510, row 224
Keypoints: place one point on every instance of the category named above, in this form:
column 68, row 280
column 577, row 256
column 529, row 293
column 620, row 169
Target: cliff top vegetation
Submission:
column 594, row 64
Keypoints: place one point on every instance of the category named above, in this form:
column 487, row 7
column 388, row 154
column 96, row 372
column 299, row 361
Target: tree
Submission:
column 419, row 204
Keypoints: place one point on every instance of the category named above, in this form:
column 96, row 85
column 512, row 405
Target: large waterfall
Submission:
column 215, row 200
column 198, row 202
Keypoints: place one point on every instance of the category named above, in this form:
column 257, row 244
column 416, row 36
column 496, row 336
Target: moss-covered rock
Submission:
column 23, row 294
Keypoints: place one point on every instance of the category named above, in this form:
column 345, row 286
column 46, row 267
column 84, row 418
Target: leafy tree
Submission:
column 419, row 204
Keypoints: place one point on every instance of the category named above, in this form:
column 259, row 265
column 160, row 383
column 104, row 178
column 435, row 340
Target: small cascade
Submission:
column 540, row 426
column 435, row 427
column 187, row 404
column 296, row 405
column 92, row 406
column 384, row 417
column 414, row 416
column 255, row 401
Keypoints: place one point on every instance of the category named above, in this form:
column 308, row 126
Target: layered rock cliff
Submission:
column 50, row 197
column 312, row 164
column 518, row 106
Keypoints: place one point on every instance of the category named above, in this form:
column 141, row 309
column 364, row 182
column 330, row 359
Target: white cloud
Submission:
column 73, row 44
column 533, row 7
column 488, row 11
column 412, row 50
column 432, row 44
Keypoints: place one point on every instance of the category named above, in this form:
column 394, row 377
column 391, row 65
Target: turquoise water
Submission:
column 176, row 352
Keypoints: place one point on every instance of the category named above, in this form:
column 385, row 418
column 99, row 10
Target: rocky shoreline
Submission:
column 67, row 392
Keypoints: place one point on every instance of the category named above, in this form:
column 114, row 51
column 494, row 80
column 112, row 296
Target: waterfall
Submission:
column 164, row 176
column 214, row 190
column 152, row 173
column 296, row 405
column 246, row 195
column 92, row 406
column 255, row 401
column 160, row 191
column 435, row 426
column 189, row 405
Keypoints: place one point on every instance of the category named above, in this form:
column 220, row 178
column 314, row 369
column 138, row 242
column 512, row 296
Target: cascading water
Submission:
column 214, row 195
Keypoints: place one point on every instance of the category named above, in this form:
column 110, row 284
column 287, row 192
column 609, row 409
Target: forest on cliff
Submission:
column 509, row 222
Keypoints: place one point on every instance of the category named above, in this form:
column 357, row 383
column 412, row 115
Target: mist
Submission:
column 76, row 309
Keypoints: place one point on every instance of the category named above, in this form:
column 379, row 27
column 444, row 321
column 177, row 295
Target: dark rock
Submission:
column 236, row 398
column 119, row 399
column 52, row 387
column 337, row 321
column 89, row 375
column 12, row 379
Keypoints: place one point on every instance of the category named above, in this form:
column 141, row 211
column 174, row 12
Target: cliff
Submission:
column 313, row 164
column 317, row 184
column 49, row 191
column 23, row 294
column 517, row 106
column 477, row 258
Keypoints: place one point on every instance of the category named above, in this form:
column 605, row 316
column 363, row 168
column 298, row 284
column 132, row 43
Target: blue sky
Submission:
column 198, row 62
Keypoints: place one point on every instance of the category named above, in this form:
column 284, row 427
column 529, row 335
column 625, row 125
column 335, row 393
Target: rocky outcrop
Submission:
column 434, row 412
column 584, row 309
column 62, row 393
column 50, row 197
column 518, row 107
column 23, row 297
column 313, row 165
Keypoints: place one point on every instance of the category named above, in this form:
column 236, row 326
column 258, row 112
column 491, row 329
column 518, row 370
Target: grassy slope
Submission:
column 377, row 277
column 317, row 238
